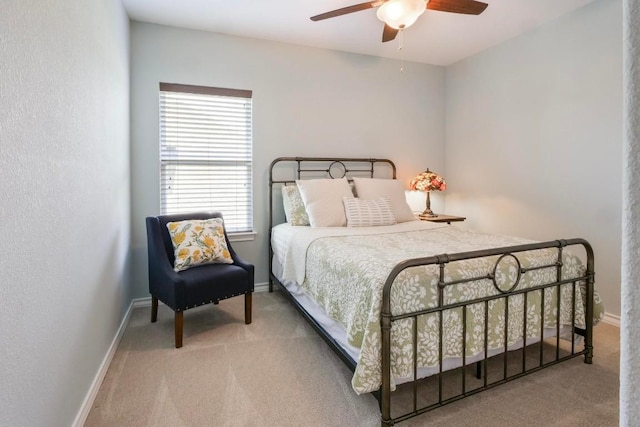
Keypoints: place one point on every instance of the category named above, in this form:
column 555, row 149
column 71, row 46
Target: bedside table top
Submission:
column 444, row 218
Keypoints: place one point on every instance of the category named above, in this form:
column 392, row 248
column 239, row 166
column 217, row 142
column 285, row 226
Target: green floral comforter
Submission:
column 345, row 275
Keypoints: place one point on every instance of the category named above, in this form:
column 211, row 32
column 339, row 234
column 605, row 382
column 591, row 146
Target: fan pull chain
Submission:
column 400, row 46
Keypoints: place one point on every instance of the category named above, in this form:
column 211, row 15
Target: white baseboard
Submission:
column 82, row 415
column 81, row 418
column 261, row 287
column 611, row 319
column 143, row 302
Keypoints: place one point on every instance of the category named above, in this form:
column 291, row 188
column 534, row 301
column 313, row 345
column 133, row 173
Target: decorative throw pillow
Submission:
column 372, row 188
column 368, row 213
column 197, row 242
column 294, row 209
column 323, row 201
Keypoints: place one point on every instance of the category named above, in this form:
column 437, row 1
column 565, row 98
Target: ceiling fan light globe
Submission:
column 400, row 14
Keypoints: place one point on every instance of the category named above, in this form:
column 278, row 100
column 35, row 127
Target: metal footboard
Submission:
column 387, row 319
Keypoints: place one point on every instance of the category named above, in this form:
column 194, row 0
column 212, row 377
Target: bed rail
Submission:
column 387, row 319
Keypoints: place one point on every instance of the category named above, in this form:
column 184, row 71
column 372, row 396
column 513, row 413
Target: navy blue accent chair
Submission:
column 195, row 286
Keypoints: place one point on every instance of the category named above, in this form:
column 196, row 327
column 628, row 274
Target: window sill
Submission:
column 248, row 236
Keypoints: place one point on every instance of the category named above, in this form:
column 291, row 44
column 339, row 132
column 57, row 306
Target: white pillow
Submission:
column 372, row 188
column 368, row 213
column 323, row 201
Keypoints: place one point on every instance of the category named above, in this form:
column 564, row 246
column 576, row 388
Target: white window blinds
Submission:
column 205, row 153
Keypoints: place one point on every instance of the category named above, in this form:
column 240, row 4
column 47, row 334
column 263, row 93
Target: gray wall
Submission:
column 64, row 201
column 534, row 137
column 629, row 333
column 306, row 102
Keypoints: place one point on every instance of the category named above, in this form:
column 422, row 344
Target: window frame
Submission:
column 244, row 217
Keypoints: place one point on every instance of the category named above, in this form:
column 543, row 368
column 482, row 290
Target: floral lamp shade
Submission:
column 428, row 181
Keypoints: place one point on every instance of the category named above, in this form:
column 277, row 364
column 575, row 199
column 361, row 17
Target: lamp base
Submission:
column 427, row 215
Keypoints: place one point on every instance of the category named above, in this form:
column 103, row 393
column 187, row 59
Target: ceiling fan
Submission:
column 400, row 14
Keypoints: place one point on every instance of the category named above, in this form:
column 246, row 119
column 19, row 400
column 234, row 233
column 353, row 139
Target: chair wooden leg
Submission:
column 154, row 309
column 247, row 308
column 179, row 321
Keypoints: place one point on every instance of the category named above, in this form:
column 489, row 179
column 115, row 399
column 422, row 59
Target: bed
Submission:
column 414, row 304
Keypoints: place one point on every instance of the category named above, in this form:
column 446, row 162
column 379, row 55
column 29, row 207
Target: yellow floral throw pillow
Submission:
column 197, row 242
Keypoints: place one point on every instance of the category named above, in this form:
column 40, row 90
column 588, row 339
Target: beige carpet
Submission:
column 278, row 372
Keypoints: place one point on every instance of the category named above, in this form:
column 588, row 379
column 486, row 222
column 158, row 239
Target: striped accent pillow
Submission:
column 368, row 212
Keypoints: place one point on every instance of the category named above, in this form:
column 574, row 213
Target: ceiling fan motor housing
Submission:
column 401, row 14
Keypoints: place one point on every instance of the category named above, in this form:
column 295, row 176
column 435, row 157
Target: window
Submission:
column 205, row 153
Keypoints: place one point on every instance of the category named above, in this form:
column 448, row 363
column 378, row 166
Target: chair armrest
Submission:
column 242, row 263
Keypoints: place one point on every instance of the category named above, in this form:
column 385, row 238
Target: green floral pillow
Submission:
column 197, row 242
column 294, row 209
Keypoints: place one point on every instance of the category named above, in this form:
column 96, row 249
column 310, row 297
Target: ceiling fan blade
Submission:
column 468, row 7
column 389, row 33
column 345, row 10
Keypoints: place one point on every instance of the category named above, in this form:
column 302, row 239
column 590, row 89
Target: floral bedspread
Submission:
column 345, row 275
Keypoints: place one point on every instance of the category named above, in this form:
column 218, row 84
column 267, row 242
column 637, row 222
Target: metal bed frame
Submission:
column 337, row 166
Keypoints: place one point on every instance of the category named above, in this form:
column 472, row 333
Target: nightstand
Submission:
column 444, row 218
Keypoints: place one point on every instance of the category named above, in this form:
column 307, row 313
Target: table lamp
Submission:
column 428, row 181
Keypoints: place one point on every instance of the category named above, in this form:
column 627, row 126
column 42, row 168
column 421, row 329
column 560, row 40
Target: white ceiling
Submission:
column 436, row 38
